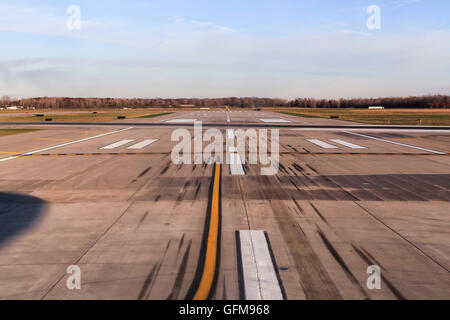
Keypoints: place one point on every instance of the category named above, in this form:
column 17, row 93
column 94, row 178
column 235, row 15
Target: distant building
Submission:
column 13, row 108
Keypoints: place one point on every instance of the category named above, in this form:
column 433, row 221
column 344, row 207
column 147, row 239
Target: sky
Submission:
column 209, row 48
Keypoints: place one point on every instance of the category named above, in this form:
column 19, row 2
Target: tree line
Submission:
column 435, row 101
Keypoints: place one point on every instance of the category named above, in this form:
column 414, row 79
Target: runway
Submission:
column 109, row 199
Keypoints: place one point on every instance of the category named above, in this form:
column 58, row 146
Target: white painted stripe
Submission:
column 275, row 120
column 348, row 144
column 6, row 159
column 228, row 117
column 250, row 272
column 68, row 143
column 260, row 279
column 322, row 144
column 236, row 164
column 116, row 144
column 230, row 134
column 396, row 143
column 181, row 121
column 235, row 160
column 143, row 144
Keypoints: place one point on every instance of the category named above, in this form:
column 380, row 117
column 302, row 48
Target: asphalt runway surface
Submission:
column 109, row 200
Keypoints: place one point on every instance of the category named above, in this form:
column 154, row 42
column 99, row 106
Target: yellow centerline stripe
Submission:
column 210, row 266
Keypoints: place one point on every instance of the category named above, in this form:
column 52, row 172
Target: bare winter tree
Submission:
column 5, row 100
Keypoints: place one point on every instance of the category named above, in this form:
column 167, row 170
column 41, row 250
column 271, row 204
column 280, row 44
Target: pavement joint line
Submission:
column 400, row 235
column 203, row 285
column 61, row 278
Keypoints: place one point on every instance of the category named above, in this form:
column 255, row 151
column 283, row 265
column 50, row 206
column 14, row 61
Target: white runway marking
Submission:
column 236, row 163
column 143, row 144
column 322, row 144
column 275, row 120
column 260, row 278
column 116, row 144
column 347, row 144
column 235, row 160
column 181, row 121
column 228, row 117
column 6, row 159
column 396, row 143
column 68, row 143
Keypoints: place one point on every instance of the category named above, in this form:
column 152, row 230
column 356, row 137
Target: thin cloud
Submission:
column 355, row 32
column 404, row 3
column 321, row 66
column 176, row 19
column 207, row 25
column 48, row 21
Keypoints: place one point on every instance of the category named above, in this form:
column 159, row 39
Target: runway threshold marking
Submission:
column 347, row 144
column 396, row 143
column 142, row 144
column 204, row 282
column 116, row 144
column 259, row 279
column 66, row 144
column 322, row 144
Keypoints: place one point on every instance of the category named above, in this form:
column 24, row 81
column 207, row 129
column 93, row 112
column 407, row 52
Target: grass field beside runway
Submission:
column 435, row 117
column 83, row 116
column 8, row 132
